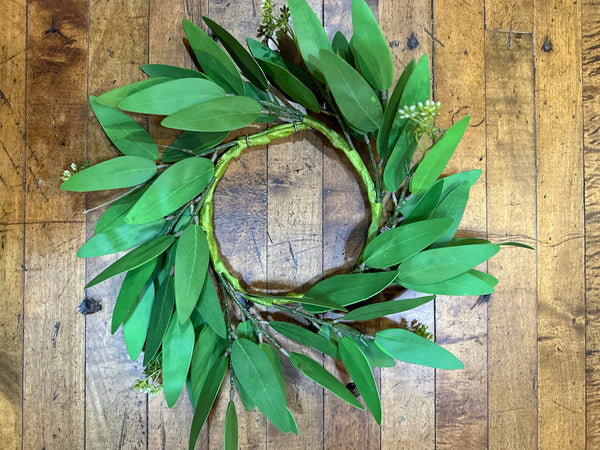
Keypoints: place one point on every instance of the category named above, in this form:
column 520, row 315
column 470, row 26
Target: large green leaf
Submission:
column 176, row 186
column 210, row 308
column 310, row 35
column 472, row 282
column 360, row 370
column 219, row 114
column 120, row 172
column 231, row 428
column 135, row 325
column 172, row 96
column 323, row 377
column 422, row 209
column 348, row 289
column 275, row 67
column 128, row 136
column 381, row 309
column 207, row 398
column 254, row 372
column 452, row 206
column 191, row 265
column 439, row 264
column 209, row 347
column 164, row 70
column 162, row 309
column 193, row 141
column 134, row 258
column 115, row 214
column 177, row 351
column 305, row 337
column 375, row 356
column 438, row 156
column 240, row 55
column 130, row 288
column 114, row 96
column 372, row 51
column 407, row 346
column 355, row 98
column 119, row 238
column 398, row 244
column 213, row 59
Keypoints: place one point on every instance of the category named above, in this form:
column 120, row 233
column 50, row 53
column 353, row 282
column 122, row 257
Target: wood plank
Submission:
column 508, row 15
column 461, row 410
column 511, row 216
column 12, row 154
column 53, row 398
column 561, row 255
column 115, row 411
column 590, row 24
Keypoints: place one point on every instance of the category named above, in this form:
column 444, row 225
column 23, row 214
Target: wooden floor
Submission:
column 529, row 75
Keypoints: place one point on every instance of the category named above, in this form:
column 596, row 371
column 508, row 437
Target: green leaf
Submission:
column 191, row 266
column 114, row 96
column 135, row 325
column 231, row 427
column 255, row 374
column 517, row 244
column 359, row 369
column 452, row 206
column 469, row 283
column 322, row 302
column 398, row 166
column 119, row 238
column 115, row 214
column 275, row 67
column 323, row 377
column 172, row 96
column 398, row 244
column 193, row 141
column 348, row 289
column 240, row 55
column 248, row 403
column 372, row 51
column 246, row 330
column 120, row 172
column 210, row 308
column 162, row 309
column 391, row 111
column 207, row 398
column 214, row 61
column 425, row 206
column 176, row 186
column 178, row 348
column 386, row 308
column 209, row 347
column 134, row 258
column 341, row 47
column 128, row 136
column 353, row 95
column 407, row 346
column 219, row 114
column 256, row 94
column 439, row 264
column 310, row 35
column 375, row 356
column 438, row 156
column 130, row 288
column 305, row 337
column 164, row 70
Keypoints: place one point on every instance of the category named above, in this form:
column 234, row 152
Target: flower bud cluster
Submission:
column 422, row 115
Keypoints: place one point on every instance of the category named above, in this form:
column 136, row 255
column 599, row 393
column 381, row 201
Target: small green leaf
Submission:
column 341, row 47
column 375, row 356
column 323, row 377
column 128, row 136
column 114, row 96
column 134, row 258
column 207, row 398
column 452, row 206
column 209, row 347
column 120, row 172
column 398, row 166
column 425, row 206
column 306, row 337
column 219, row 114
column 240, row 55
column 353, row 95
column 398, row 244
column 191, row 266
column 162, row 309
column 115, row 214
column 360, row 370
column 231, row 428
column 438, row 156
column 210, row 308
column 178, row 348
column 439, row 264
column 193, row 141
column 407, row 346
column 386, row 308
column 469, row 283
column 246, row 330
column 516, row 244
column 164, row 70
column 256, row 94
column 213, row 59
column 176, row 186
column 135, row 325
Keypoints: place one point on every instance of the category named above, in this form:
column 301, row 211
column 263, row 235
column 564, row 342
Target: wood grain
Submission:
column 509, row 15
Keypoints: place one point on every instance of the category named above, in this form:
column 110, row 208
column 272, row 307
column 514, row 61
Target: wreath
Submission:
column 181, row 305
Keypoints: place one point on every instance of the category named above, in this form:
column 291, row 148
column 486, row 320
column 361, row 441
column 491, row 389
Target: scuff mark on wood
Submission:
column 55, row 329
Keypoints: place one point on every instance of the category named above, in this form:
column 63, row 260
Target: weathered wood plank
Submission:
column 590, row 24
column 12, row 154
column 509, row 15
column 53, row 373
column 561, row 255
column 511, row 206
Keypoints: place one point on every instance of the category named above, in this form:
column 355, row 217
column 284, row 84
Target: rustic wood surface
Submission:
column 528, row 72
